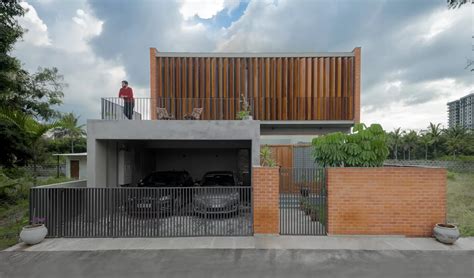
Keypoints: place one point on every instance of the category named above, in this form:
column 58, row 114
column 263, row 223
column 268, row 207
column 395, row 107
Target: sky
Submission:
column 413, row 52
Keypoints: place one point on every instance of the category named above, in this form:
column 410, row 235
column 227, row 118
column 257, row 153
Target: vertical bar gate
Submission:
column 303, row 201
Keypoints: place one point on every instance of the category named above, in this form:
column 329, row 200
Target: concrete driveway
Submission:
column 237, row 263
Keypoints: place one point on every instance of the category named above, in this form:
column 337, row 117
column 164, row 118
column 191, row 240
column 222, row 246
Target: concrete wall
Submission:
column 196, row 161
column 103, row 137
column 76, row 183
column 82, row 166
column 385, row 201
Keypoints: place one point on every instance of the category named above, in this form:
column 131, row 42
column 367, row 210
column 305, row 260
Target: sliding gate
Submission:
column 143, row 212
column 303, row 201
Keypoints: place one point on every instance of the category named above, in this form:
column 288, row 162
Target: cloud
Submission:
column 413, row 53
column 88, row 75
column 206, row 9
column 37, row 31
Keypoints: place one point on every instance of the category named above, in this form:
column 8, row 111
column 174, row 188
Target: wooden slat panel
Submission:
column 208, row 88
column 256, row 102
column 283, row 155
column 285, row 89
column 280, row 88
column 279, row 96
column 314, row 90
column 309, row 88
column 267, row 88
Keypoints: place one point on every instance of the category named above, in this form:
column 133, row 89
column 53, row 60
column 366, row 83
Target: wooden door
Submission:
column 74, row 169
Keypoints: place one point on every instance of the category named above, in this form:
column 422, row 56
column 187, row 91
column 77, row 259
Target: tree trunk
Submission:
column 396, row 152
column 72, row 145
column 426, row 152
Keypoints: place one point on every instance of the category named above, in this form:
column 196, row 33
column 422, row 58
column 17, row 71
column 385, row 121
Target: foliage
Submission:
column 30, row 127
column 266, row 157
column 69, row 129
column 33, row 94
column 453, row 4
column 364, row 147
column 245, row 109
column 460, row 201
column 14, row 186
column 432, row 143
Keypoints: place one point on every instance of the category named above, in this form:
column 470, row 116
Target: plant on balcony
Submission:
column 266, row 157
column 364, row 147
column 244, row 114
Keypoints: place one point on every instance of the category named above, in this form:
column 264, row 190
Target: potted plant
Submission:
column 314, row 214
column 35, row 232
column 446, row 233
column 244, row 114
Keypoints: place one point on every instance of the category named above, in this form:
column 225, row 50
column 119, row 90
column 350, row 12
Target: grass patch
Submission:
column 14, row 207
column 461, row 201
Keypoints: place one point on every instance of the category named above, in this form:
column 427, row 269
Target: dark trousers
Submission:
column 128, row 109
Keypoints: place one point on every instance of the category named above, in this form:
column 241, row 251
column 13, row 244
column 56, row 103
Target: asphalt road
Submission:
column 237, row 263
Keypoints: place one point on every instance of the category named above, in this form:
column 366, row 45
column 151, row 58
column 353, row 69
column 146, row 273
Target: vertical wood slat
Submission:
column 280, row 88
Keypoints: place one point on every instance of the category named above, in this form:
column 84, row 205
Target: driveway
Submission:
column 237, row 263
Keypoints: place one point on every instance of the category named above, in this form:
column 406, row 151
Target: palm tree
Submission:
column 32, row 128
column 435, row 133
column 425, row 139
column 410, row 139
column 396, row 138
column 456, row 139
column 69, row 129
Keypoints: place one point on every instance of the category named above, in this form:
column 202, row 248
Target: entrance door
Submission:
column 74, row 169
column 303, row 208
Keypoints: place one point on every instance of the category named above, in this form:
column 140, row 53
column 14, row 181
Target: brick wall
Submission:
column 386, row 201
column 266, row 212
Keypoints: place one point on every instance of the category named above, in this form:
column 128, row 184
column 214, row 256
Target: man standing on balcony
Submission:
column 127, row 94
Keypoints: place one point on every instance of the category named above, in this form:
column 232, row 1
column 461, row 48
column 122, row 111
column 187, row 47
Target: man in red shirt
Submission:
column 127, row 94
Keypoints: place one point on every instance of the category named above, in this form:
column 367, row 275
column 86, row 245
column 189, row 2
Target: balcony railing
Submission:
column 262, row 108
column 114, row 108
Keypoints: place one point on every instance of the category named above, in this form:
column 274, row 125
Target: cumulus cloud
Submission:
column 205, row 9
column 413, row 53
column 37, row 31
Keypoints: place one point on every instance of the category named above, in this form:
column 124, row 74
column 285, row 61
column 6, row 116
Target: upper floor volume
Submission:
column 277, row 86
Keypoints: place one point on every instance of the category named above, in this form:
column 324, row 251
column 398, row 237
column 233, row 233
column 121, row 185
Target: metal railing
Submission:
column 115, row 108
column 261, row 108
column 143, row 212
column 303, row 201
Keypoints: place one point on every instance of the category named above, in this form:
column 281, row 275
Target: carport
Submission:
column 122, row 152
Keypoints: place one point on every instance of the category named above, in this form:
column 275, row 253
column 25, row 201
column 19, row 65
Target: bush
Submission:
column 364, row 147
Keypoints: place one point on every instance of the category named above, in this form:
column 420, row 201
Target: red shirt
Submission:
column 126, row 93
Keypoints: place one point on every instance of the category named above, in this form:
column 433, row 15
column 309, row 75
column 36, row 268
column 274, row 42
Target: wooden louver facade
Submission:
column 278, row 87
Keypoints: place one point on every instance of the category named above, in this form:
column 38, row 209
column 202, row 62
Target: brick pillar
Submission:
column 266, row 211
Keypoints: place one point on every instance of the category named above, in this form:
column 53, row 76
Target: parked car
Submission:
column 163, row 201
column 217, row 194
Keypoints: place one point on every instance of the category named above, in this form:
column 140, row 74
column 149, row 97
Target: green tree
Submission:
column 410, row 141
column 34, row 94
column 395, row 138
column 70, row 129
column 453, row 4
column 456, row 140
column 425, row 139
column 30, row 127
column 435, row 133
column 364, row 147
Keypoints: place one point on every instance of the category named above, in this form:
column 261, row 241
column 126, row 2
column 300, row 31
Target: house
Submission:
column 76, row 165
column 291, row 97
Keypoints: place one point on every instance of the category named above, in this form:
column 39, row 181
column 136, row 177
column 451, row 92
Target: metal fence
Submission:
column 303, row 201
column 143, row 212
column 113, row 108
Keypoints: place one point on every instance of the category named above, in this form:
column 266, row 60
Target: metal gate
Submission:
column 143, row 212
column 303, row 201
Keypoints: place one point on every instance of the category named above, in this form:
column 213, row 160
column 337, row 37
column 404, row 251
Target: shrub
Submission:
column 364, row 147
column 266, row 158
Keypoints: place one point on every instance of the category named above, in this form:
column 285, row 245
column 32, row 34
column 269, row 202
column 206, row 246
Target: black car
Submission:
column 166, row 199
column 217, row 194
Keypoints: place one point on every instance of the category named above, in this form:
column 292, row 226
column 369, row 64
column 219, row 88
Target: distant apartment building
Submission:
column 461, row 112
